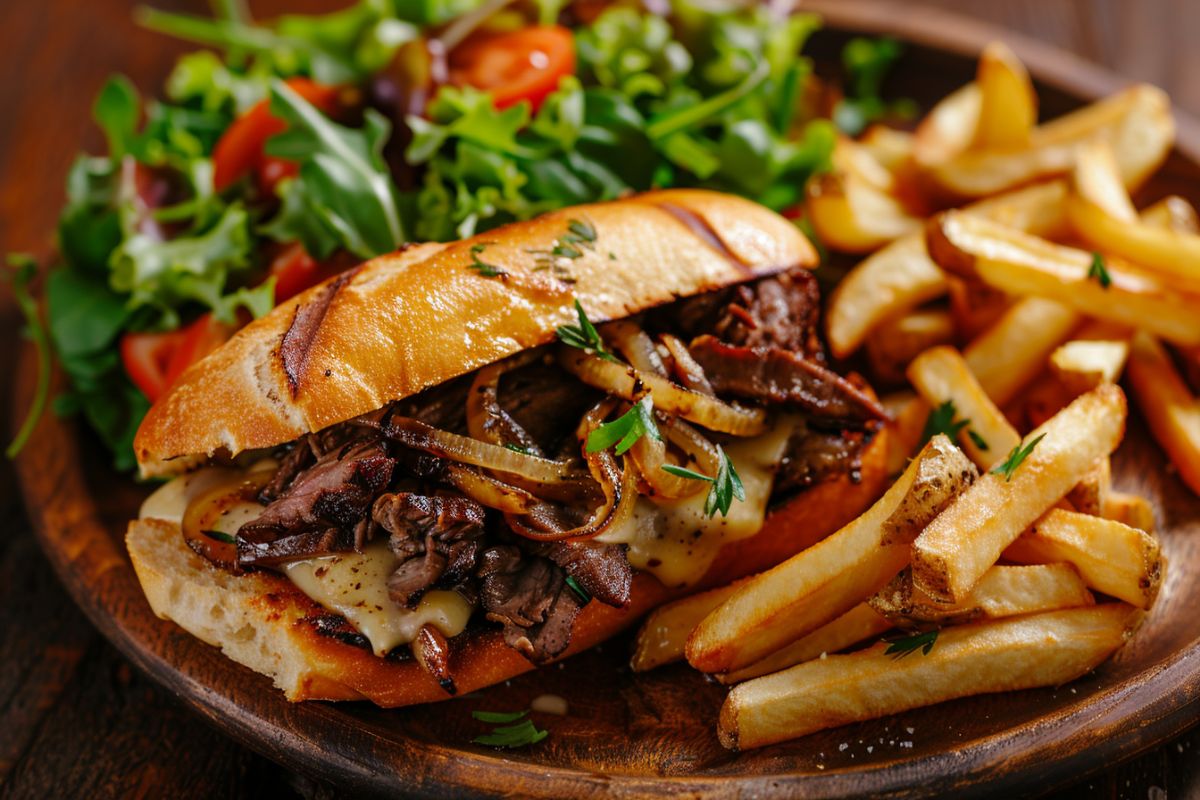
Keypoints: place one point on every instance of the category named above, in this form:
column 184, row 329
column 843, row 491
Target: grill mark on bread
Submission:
column 700, row 226
column 297, row 340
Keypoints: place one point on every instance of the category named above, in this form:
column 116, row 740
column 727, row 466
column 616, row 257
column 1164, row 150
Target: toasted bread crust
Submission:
column 414, row 319
column 262, row 621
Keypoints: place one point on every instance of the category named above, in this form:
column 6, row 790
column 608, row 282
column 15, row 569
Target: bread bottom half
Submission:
column 263, row 622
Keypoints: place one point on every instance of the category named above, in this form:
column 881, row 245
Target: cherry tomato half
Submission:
column 521, row 65
column 146, row 357
column 295, row 270
column 239, row 151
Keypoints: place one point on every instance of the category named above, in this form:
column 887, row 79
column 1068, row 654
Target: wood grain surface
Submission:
column 75, row 718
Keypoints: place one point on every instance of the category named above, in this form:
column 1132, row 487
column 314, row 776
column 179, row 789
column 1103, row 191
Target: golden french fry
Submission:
column 828, row 579
column 664, row 633
column 1008, row 104
column 1003, row 591
column 1173, row 213
column 1136, row 123
column 900, row 276
column 939, row 375
column 1084, row 364
column 1170, row 408
column 1131, row 509
column 891, row 346
column 851, row 215
column 1096, row 179
column 856, row 625
column 1091, row 494
column 949, row 127
column 957, row 548
column 1113, row 558
column 1016, row 262
column 1009, row 355
column 1046, row 649
column 889, row 147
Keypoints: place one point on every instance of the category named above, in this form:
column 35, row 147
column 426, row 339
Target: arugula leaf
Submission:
column 89, row 228
column 907, row 645
column 941, row 420
column 1098, row 271
column 22, row 269
column 584, row 336
column 867, row 62
column 725, row 486
column 1015, row 457
column 347, row 183
column 625, row 430
column 634, row 53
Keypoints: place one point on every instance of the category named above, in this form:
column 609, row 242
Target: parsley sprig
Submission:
column 905, row 646
column 942, row 420
column 508, row 735
column 1015, row 457
column 626, row 429
column 1098, row 271
column 725, row 486
column 584, row 336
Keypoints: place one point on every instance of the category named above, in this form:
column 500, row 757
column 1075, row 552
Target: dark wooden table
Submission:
column 75, row 719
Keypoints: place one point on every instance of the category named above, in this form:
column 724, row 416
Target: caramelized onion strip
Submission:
column 650, row 456
column 419, row 436
column 618, row 483
column 686, row 370
column 637, row 347
column 632, row 384
column 490, row 492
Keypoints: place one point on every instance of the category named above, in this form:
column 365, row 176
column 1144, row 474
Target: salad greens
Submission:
column 148, row 244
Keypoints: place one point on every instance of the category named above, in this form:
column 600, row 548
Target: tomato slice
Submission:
column 239, row 151
column 196, row 341
column 146, row 357
column 520, row 65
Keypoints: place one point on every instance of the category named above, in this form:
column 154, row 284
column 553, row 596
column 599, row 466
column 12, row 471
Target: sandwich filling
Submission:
column 515, row 495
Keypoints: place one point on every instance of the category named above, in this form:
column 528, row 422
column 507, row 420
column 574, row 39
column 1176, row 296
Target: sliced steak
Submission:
column 329, row 500
column 529, row 596
column 546, row 402
column 779, row 376
column 602, row 569
column 814, row 456
column 437, row 540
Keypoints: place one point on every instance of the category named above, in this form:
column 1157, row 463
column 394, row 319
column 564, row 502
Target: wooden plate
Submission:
column 631, row 736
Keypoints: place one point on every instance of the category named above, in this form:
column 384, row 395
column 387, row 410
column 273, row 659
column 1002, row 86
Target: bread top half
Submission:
column 413, row 319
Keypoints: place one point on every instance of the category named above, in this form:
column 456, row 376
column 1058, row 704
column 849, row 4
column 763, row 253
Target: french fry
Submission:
column 664, row 633
column 1084, row 364
column 1008, row 104
column 1047, row 649
column 858, row 624
column 974, row 306
column 893, row 345
column 1091, row 494
column 1113, row 558
column 1170, row 408
column 1173, row 213
column 1003, row 591
column 949, row 127
column 939, row 375
column 1016, row 262
column 1009, row 355
column 900, row 277
column 1136, row 122
column 851, row 215
column 1096, row 179
column 1130, row 509
column 957, row 548
column 889, row 147
column 819, row 584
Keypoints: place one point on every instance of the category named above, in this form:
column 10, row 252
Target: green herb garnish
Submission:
column 626, row 429
column 725, row 486
column 583, row 594
column 23, row 270
column 521, row 734
column 1098, row 271
column 584, row 336
column 941, row 420
column 516, row 448
column 482, row 267
column 221, row 537
column 1015, row 457
column 905, row 646
column 978, row 440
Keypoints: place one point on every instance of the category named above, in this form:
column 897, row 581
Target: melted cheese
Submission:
column 355, row 586
column 351, row 584
column 676, row 542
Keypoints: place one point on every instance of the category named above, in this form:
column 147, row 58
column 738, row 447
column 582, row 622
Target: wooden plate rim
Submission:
column 1127, row 718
